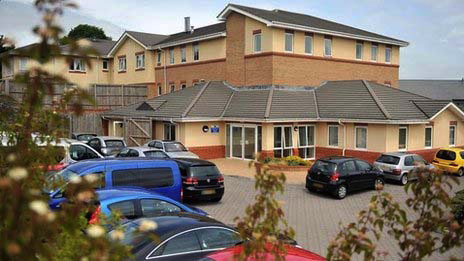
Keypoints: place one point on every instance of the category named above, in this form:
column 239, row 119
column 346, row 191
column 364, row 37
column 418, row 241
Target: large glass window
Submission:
column 257, row 43
column 388, row 52
column 196, row 52
column 283, row 141
column 77, row 65
column 328, row 46
column 183, row 54
column 402, row 138
column 288, row 42
column 306, row 142
column 452, row 135
column 308, row 44
column 374, row 48
column 333, row 135
column 361, row 137
column 359, row 50
column 171, row 56
column 428, row 136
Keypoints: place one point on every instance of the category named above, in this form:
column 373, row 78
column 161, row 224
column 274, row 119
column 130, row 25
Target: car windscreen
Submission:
column 85, row 137
column 114, row 143
column 388, row 159
column 325, row 167
column 204, row 171
column 155, row 154
column 58, row 179
column 174, row 147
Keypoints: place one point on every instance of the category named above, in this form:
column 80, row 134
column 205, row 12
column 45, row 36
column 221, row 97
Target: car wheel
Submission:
column 340, row 193
column 378, row 182
column 404, row 179
column 461, row 172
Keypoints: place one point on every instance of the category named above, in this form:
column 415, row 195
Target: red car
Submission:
column 293, row 254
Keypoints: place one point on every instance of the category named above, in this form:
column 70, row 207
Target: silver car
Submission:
column 398, row 166
column 130, row 152
column 174, row 149
column 107, row 145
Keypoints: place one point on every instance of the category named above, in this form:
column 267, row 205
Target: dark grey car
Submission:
column 106, row 145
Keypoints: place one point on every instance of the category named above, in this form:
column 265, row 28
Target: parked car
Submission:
column 182, row 236
column 201, row 179
column 134, row 152
column 398, row 166
column 107, row 145
column 174, row 149
column 340, row 175
column 450, row 160
column 293, row 253
column 83, row 136
column 161, row 176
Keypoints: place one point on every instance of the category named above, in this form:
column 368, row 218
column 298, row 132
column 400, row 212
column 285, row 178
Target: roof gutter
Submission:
column 189, row 40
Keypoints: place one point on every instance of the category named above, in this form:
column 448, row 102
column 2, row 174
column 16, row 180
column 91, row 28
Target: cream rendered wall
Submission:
column 392, row 136
column 416, row 137
column 129, row 48
column 159, row 130
column 209, row 50
column 441, row 129
column 267, row 132
column 266, row 36
column 343, row 48
column 376, row 137
column 195, row 137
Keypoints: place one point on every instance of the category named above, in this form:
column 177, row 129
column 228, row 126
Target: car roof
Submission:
column 110, row 138
column 399, row 154
column 121, row 192
column 84, row 133
column 453, row 149
column 337, row 159
column 193, row 162
column 144, row 149
column 82, row 166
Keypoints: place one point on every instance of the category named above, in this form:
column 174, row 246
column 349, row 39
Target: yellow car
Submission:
column 450, row 160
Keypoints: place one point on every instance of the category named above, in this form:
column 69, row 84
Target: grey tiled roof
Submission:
column 300, row 103
column 431, row 107
column 248, row 104
column 212, row 102
column 147, row 39
column 197, row 32
column 309, row 21
column 435, row 89
column 102, row 47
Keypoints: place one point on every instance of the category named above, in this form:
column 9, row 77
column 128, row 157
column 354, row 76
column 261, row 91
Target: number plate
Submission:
column 208, row 192
column 317, row 185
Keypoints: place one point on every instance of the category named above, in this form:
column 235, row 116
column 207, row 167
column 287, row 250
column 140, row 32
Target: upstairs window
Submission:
column 374, row 48
column 158, row 57
column 388, row 53
column 328, row 46
column 452, row 135
column 173, row 87
column 140, row 61
column 183, row 86
column 308, row 43
column 171, row 56
column 333, row 136
column 359, row 50
column 160, row 90
column 428, row 136
column 22, row 64
column 122, row 64
column 77, row 65
column 196, row 52
column 257, row 41
column 289, row 41
column 105, row 65
column 183, row 54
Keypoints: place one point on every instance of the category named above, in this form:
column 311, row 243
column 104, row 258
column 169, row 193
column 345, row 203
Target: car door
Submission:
column 349, row 171
column 216, row 238
column 408, row 166
column 127, row 208
column 183, row 246
column 152, row 207
column 367, row 174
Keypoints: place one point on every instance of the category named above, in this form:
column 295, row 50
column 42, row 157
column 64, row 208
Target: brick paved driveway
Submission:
column 315, row 217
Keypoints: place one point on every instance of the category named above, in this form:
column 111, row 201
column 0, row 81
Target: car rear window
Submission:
column 85, row 137
column 145, row 178
column 446, row 155
column 388, row 159
column 114, row 143
column 203, row 171
column 174, row 147
column 155, row 154
column 324, row 166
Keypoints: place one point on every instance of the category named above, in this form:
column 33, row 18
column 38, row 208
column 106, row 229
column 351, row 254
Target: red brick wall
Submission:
column 428, row 155
column 266, row 153
column 369, row 156
column 209, row 152
column 258, row 70
column 322, row 152
column 235, row 49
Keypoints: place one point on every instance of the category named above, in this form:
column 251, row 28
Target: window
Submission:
column 151, row 207
column 217, row 238
column 359, row 50
column 158, row 57
column 328, row 46
column 306, row 142
column 363, row 166
column 22, row 64
column 186, row 242
column 257, row 42
column 183, row 54
column 308, row 44
column 446, row 155
column 77, row 65
column 452, row 135
column 171, row 56
column 139, row 61
column 160, row 90
column 348, row 167
column 333, row 136
column 145, row 178
column 122, row 64
column 361, row 137
column 283, row 141
column 183, row 86
column 374, row 48
column 402, row 138
column 169, row 131
column 155, row 154
column 126, row 208
column 158, row 145
column 196, row 52
column 408, row 161
column 428, row 136
column 173, row 87
column 105, row 65
column 80, row 152
column 289, row 41
column 388, row 52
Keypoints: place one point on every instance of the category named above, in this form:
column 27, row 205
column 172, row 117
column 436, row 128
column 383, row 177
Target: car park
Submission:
column 399, row 166
column 134, row 152
column 174, row 149
column 107, row 145
column 84, row 137
column 339, row 175
column 201, row 180
column 182, row 236
column 450, row 160
column 156, row 175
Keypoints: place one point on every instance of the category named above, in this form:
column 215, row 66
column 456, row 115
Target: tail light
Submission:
column 191, row 181
column 94, row 219
column 221, row 179
column 396, row 172
column 57, row 167
column 181, row 194
column 335, row 177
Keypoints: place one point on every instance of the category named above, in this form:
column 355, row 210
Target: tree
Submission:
column 5, row 45
column 85, row 31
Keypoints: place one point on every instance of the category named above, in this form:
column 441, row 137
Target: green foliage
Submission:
column 424, row 228
column 264, row 223
column 296, row 161
column 457, row 206
column 84, row 31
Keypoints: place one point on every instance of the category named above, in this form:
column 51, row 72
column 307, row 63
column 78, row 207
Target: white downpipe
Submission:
column 344, row 136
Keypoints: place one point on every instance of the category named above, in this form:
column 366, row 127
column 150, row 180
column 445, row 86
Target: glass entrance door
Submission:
column 237, row 142
column 249, row 144
column 242, row 142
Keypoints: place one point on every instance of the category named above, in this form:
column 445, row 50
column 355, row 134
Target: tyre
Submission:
column 341, row 191
column 378, row 182
column 461, row 172
column 404, row 179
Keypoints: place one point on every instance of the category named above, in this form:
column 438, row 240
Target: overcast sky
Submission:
column 434, row 28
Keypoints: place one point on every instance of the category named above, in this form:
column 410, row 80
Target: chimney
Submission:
column 187, row 24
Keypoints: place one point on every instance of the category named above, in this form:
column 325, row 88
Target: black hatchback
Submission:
column 340, row 175
column 201, row 180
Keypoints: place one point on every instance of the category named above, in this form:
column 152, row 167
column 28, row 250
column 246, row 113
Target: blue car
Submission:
column 156, row 175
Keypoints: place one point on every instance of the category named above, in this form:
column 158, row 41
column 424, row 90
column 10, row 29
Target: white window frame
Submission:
column 362, row 50
column 390, row 49
column 376, row 47
column 312, row 44
column 454, row 138
column 331, row 47
column 356, row 137
column 431, row 137
column 183, row 54
column 406, row 142
column 122, row 64
column 328, row 136
column 75, row 62
column 107, row 65
column 23, row 64
column 260, row 42
column 282, row 141
column 158, row 57
column 167, row 136
column 292, row 44
column 307, row 126
column 140, row 61
column 196, row 49
column 171, row 56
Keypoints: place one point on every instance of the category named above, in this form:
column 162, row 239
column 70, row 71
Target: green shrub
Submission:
column 457, row 206
column 296, row 161
column 266, row 160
